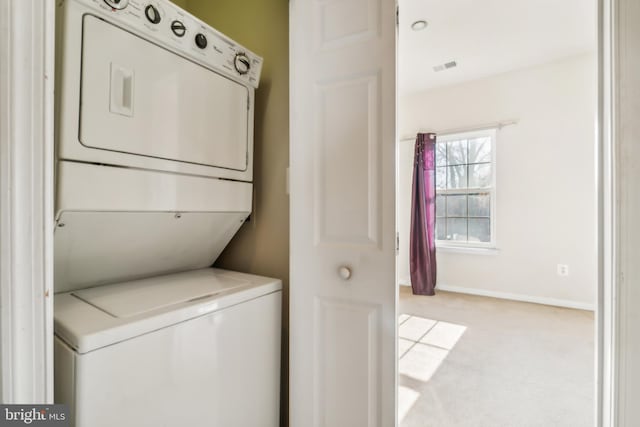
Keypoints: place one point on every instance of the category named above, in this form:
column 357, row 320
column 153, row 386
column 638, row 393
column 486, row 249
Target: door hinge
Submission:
column 397, row 243
column 397, row 16
column 248, row 102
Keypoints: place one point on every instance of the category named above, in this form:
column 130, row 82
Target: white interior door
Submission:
column 343, row 294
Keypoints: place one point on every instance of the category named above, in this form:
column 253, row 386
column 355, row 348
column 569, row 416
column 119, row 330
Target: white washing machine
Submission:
column 154, row 144
column 197, row 349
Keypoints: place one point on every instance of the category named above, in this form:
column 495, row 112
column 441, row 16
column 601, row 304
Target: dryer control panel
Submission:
column 175, row 29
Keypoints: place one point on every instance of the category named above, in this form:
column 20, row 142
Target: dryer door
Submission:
column 141, row 99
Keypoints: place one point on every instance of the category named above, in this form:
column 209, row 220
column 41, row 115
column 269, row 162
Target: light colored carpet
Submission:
column 482, row 362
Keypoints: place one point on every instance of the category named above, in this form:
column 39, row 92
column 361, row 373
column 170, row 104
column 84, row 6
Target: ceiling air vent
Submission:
column 445, row 66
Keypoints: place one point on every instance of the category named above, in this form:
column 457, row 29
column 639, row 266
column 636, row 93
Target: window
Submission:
column 465, row 189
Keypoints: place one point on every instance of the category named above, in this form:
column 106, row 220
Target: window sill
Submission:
column 467, row 250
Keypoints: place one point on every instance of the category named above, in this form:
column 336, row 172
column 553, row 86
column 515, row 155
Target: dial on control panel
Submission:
column 178, row 28
column 201, row 40
column 117, row 4
column 152, row 14
column 242, row 63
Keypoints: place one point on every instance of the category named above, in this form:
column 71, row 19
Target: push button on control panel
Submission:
column 201, row 40
column 178, row 28
column 152, row 14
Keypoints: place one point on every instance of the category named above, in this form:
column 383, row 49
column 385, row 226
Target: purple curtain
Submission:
column 422, row 245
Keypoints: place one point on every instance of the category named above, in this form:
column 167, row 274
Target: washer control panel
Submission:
column 175, row 29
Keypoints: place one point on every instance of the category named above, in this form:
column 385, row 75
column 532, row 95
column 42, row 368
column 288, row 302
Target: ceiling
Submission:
column 487, row 37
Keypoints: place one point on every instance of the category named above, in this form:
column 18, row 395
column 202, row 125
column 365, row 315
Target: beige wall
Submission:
column 545, row 180
column 181, row 3
column 262, row 245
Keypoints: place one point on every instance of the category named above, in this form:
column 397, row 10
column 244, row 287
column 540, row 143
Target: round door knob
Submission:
column 178, row 28
column 201, row 41
column 152, row 14
column 344, row 272
column 242, row 63
column 117, row 4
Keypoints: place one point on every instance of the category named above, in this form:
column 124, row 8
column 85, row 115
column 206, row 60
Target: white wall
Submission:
column 546, row 180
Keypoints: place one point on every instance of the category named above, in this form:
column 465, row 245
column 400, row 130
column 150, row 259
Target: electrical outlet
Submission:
column 563, row 270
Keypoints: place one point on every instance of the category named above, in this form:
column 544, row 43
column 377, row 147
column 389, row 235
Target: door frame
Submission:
column 607, row 309
column 609, row 347
column 26, row 200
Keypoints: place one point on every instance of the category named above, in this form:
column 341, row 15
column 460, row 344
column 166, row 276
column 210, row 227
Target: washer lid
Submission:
column 144, row 296
column 97, row 317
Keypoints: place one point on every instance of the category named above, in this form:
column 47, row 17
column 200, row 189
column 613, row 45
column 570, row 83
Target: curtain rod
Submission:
column 496, row 125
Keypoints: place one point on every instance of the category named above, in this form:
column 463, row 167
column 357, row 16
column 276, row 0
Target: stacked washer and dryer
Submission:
column 154, row 177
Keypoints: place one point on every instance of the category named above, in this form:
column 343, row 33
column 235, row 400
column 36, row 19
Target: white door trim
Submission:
column 606, row 312
column 26, row 200
column 619, row 342
column 605, row 319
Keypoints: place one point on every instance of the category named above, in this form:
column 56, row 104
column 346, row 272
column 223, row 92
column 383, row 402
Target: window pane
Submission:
column 456, row 229
column 457, row 205
column 457, row 152
column 441, row 153
column 480, row 175
column 440, row 206
column 441, row 231
column 479, row 230
column 480, row 150
column 479, row 204
column 456, row 177
column 441, row 178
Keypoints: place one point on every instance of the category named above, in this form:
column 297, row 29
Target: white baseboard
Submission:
column 515, row 297
column 518, row 297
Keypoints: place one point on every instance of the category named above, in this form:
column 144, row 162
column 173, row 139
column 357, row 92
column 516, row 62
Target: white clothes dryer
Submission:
column 154, row 171
column 144, row 84
column 154, row 141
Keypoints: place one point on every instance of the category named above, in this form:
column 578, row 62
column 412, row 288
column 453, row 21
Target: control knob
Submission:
column 117, row 4
column 201, row 40
column 152, row 14
column 178, row 28
column 242, row 63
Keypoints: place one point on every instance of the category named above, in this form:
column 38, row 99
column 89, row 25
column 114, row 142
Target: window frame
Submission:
column 457, row 244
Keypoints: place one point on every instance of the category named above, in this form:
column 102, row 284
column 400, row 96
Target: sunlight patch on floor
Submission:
column 444, row 335
column 423, row 345
column 406, row 399
column 415, row 328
